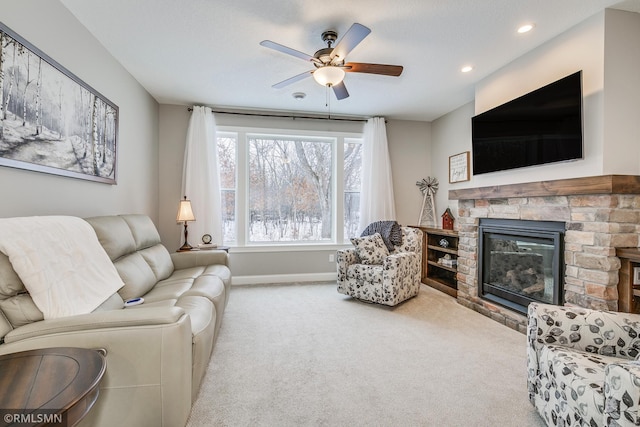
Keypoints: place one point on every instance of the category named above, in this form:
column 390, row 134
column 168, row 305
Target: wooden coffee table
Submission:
column 52, row 383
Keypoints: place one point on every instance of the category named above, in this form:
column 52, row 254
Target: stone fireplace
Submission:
column 599, row 214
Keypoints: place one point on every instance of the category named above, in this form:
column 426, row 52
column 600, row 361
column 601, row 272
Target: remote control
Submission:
column 133, row 301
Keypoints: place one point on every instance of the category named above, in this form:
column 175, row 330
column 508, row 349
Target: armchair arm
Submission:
column 622, row 393
column 402, row 271
column 345, row 258
column 603, row 332
column 403, row 264
column 97, row 320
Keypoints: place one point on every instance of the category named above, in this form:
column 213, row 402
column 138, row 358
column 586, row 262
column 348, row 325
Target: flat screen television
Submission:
column 543, row 126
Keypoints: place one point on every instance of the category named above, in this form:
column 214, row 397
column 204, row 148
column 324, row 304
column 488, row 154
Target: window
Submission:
column 280, row 188
column 351, row 176
column 227, row 143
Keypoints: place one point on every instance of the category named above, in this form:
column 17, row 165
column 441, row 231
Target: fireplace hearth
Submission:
column 520, row 262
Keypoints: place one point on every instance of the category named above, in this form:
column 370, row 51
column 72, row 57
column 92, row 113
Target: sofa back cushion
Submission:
column 16, row 305
column 133, row 244
column 131, row 241
column 114, row 235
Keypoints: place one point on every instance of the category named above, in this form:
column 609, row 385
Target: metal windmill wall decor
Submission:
column 429, row 187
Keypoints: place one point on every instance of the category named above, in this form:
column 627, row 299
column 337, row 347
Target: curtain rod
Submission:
column 283, row 116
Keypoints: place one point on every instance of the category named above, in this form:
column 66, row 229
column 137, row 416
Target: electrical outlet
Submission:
column 331, row 258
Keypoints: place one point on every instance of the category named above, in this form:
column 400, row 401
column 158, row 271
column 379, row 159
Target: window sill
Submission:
column 296, row 247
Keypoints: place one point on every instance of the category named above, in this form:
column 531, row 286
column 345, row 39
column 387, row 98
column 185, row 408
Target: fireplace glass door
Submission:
column 520, row 264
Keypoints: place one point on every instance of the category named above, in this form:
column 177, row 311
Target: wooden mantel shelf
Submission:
column 605, row 184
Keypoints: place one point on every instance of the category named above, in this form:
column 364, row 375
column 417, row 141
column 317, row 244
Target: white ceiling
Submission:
column 207, row 52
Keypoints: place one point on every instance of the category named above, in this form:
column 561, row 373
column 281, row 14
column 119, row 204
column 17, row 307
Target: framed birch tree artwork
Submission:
column 50, row 120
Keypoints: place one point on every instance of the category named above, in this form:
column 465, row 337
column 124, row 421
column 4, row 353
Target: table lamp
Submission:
column 185, row 213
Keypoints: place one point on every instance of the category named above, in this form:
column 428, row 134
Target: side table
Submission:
column 49, row 386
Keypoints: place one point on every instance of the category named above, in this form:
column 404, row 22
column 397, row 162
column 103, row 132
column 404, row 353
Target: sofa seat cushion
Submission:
column 184, row 273
column 208, row 286
column 179, row 284
column 201, row 311
column 574, row 384
column 222, row 271
column 365, row 273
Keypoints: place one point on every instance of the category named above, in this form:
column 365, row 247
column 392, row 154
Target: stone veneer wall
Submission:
column 595, row 226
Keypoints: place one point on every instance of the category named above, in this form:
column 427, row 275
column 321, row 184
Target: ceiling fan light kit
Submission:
column 330, row 61
column 328, row 75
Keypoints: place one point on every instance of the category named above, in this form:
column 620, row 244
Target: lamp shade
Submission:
column 328, row 75
column 185, row 213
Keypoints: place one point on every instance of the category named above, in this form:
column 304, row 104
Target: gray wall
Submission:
column 50, row 27
column 409, row 146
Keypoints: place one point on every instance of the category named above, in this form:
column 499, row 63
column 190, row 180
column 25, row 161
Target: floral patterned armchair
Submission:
column 582, row 366
column 387, row 277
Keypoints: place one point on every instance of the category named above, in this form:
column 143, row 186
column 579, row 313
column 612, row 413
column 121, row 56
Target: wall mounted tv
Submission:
column 543, row 126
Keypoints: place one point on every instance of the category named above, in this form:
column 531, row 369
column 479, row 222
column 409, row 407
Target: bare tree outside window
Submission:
column 288, row 188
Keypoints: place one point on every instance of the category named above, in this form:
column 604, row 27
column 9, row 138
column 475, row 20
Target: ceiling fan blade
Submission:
column 288, row 50
column 362, row 67
column 340, row 90
column 351, row 39
column 293, row 79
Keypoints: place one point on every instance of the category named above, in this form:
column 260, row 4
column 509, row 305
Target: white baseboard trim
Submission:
column 283, row 278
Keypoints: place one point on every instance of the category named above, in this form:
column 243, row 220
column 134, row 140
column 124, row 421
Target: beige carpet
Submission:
column 304, row 355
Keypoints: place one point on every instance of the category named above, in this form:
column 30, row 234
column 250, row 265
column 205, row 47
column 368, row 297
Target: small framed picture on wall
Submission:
column 459, row 167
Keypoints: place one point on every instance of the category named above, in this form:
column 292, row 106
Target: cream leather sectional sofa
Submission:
column 156, row 352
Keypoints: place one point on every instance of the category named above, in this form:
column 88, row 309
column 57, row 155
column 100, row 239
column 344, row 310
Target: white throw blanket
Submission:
column 61, row 263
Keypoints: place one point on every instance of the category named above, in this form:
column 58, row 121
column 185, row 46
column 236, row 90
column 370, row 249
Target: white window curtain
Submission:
column 201, row 177
column 376, row 193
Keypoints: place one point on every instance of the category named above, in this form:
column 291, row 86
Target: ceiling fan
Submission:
column 330, row 61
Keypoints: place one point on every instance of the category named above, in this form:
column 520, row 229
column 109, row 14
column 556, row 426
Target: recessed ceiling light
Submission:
column 466, row 68
column 299, row 95
column 525, row 28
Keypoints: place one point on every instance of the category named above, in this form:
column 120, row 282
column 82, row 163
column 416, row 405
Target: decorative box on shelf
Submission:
column 447, row 261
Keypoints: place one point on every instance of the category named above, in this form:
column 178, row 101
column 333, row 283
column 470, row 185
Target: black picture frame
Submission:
column 50, row 120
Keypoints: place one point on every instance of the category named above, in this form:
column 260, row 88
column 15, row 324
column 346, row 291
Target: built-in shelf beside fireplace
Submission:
column 600, row 214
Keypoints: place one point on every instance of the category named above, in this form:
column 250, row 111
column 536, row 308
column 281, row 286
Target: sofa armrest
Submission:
column 622, row 393
column 199, row 258
column 97, row 320
column 149, row 361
